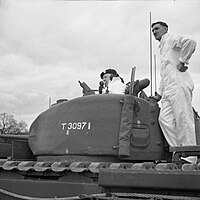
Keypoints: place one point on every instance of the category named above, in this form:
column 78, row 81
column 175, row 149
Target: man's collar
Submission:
column 115, row 79
column 163, row 39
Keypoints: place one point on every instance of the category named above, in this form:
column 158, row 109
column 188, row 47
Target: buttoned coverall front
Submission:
column 176, row 115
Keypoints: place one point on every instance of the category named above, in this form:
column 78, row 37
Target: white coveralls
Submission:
column 116, row 86
column 176, row 115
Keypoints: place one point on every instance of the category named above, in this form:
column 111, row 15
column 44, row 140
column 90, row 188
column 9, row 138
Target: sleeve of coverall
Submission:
column 187, row 47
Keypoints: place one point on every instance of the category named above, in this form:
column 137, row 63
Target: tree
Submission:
column 8, row 125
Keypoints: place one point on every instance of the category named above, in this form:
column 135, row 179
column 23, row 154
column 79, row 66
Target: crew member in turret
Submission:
column 176, row 86
column 113, row 83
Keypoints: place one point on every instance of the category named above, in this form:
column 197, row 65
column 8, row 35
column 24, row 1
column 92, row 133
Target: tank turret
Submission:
column 90, row 126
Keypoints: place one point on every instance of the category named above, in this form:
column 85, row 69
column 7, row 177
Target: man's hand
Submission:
column 157, row 97
column 181, row 67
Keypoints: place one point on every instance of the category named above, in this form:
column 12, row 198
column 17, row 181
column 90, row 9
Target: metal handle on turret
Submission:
column 132, row 81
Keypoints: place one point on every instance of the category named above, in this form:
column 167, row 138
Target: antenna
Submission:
column 155, row 74
column 150, row 56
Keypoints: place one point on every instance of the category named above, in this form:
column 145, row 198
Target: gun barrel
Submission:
column 9, row 136
column 84, row 86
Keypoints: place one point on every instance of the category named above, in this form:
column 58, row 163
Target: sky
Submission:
column 46, row 46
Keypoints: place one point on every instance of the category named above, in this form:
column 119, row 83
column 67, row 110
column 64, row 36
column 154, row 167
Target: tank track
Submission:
column 93, row 167
column 111, row 175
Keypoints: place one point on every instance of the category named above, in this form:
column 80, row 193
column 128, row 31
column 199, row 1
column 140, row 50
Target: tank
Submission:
column 98, row 146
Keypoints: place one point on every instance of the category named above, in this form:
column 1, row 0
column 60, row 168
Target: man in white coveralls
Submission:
column 176, row 115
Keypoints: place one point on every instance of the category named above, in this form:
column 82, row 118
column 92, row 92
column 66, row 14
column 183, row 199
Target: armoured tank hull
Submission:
column 75, row 150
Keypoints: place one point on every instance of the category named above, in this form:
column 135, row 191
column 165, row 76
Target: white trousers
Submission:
column 177, row 120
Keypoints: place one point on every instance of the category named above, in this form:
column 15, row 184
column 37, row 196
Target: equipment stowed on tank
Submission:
column 98, row 146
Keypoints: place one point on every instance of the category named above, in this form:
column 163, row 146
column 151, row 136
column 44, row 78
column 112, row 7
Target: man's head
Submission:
column 159, row 29
column 107, row 75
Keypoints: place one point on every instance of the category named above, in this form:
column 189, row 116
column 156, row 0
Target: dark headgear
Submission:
column 161, row 23
column 108, row 71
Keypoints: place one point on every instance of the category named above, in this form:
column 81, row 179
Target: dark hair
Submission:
column 109, row 71
column 161, row 23
column 113, row 74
